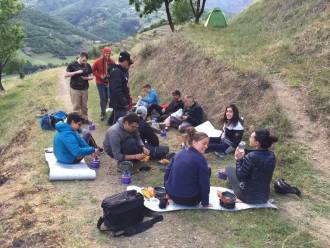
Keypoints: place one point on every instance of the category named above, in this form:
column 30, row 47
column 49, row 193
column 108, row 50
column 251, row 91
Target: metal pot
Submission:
column 228, row 200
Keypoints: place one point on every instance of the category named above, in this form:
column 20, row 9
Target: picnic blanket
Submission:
column 59, row 171
column 153, row 203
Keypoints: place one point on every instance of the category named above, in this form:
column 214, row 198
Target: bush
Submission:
column 181, row 11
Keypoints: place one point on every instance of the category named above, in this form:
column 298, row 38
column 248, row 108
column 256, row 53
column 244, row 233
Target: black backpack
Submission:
column 123, row 214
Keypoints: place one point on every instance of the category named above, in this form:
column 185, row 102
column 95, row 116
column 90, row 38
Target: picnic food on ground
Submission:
column 146, row 158
column 148, row 192
column 164, row 161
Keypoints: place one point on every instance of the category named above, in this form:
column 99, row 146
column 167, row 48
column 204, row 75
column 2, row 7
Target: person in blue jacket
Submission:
column 252, row 176
column 69, row 147
column 187, row 177
column 151, row 96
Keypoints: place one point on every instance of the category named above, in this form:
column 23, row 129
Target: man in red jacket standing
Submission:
column 100, row 68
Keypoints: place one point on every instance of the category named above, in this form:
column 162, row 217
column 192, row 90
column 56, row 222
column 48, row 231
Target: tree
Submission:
column 181, row 11
column 11, row 34
column 150, row 6
column 197, row 9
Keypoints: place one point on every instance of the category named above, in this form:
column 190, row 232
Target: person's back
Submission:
column 119, row 91
column 183, row 181
column 255, row 172
column 68, row 145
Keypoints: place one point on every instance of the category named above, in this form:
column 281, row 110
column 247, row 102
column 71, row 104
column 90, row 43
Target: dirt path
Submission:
column 305, row 131
column 313, row 137
column 63, row 92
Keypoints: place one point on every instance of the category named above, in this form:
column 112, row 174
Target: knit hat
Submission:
column 141, row 111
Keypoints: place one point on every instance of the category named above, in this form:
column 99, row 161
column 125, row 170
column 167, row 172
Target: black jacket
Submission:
column 232, row 135
column 173, row 107
column 147, row 134
column 119, row 90
column 255, row 173
column 195, row 114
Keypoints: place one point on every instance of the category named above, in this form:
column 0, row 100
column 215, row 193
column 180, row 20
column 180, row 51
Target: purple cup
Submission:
column 222, row 175
column 96, row 163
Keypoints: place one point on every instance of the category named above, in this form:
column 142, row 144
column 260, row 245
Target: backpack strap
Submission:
column 99, row 223
column 138, row 228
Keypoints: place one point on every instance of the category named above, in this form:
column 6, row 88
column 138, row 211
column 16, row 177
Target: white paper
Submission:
column 209, row 129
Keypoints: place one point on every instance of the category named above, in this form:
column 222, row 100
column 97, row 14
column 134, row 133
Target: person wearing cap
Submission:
column 120, row 98
column 79, row 73
column 146, row 132
column 100, row 71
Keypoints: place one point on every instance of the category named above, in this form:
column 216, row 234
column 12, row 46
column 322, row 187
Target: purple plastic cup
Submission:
column 222, row 175
column 96, row 163
column 126, row 178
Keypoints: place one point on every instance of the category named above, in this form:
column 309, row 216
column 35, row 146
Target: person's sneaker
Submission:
column 219, row 155
column 102, row 117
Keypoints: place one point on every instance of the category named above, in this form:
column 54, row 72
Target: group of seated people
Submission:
column 187, row 177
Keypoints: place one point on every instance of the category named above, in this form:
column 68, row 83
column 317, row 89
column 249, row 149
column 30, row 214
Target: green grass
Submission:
column 277, row 38
column 22, row 101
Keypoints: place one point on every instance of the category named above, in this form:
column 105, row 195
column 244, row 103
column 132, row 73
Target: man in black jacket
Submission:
column 193, row 114
column 119, row 90
column 174, row 106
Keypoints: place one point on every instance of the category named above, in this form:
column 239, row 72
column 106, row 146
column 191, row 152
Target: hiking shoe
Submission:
column 219, row 155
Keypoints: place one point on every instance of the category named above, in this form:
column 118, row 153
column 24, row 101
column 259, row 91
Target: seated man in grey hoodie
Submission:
column 122, row 140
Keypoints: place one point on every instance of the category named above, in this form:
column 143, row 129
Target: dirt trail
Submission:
column 63, row 92
column 309, row 133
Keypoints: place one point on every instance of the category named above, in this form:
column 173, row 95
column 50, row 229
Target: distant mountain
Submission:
column 49, row 34
column 107, row 19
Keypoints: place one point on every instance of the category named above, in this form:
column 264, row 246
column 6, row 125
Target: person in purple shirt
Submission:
column 187, row 177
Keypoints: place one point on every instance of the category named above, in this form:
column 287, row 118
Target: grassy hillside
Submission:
column 287, row 39
column 48, row 34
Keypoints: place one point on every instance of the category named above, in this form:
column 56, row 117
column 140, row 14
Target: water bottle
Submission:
column 241, row 146
column 126, row 177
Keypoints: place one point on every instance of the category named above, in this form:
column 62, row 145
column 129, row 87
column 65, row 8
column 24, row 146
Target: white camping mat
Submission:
column 153, row 203
column 209, row 129
column 59, row 171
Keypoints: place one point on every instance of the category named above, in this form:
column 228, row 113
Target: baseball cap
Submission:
column 123, row 56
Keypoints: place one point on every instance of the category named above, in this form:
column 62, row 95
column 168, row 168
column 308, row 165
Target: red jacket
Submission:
column 100, row 68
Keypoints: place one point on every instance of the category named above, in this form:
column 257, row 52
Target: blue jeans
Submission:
column 104, row 97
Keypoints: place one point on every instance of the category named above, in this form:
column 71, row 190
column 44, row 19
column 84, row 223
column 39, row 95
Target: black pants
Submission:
column 191, row 201
column 115, row 115
column 131, row 146
column 155, row 107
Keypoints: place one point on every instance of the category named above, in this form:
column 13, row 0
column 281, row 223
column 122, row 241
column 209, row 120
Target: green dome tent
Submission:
column 216, row 18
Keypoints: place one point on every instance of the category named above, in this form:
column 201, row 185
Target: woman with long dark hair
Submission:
column 252, row 176
column 232, row 132
column 187, row 177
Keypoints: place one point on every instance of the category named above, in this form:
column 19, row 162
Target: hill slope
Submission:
column 49, row 34
column 286, row 39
